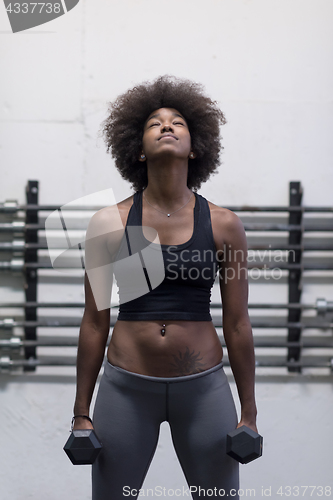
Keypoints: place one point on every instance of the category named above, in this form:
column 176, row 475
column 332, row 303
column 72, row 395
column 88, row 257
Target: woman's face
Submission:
column 166, row 133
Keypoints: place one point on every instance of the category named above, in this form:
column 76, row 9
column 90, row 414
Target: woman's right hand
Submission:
column 82, row 423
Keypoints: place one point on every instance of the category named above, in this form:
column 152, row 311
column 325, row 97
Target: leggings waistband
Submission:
column 109, row 367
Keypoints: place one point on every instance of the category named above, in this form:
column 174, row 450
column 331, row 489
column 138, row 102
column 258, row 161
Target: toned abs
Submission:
column 186, row 347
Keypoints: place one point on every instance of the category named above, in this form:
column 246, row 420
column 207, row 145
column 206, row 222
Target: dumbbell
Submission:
column 244, row 445
column 82, row 446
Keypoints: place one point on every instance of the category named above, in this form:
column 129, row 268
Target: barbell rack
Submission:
column 321, row 304
column 262, row 341
column 27, row 230
column 276, row 361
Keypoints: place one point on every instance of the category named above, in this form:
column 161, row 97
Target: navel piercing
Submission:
column 163, row 330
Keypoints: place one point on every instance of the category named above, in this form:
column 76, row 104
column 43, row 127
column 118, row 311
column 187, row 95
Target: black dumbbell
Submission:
column 82, row 446
column 244, row 445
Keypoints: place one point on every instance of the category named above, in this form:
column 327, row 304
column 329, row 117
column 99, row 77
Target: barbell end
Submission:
column 321, row 305
column 5, row 363
column 12, row 343
column 7, row 323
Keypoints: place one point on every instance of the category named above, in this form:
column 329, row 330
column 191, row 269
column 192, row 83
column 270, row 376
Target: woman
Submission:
column 164, row 361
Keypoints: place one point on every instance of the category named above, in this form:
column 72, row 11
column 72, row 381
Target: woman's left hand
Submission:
column 249, row 423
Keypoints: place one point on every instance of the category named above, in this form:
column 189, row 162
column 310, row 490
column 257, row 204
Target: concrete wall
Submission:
column 268, row 63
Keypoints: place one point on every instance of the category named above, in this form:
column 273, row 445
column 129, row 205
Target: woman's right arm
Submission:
column 95, row 323
column 104, row 234
column 93, row 337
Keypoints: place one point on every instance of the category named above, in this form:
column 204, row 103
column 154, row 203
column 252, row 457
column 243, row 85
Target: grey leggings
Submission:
column 128, row 412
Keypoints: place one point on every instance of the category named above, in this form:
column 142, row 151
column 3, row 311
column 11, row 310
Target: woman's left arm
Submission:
column 231, row 240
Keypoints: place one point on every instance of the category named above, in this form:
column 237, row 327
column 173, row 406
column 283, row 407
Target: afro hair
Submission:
column 123, row 128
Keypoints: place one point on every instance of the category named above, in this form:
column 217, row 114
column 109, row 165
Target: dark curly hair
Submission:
column 123, row 128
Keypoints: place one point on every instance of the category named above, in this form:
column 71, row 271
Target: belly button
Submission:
column 163, row 330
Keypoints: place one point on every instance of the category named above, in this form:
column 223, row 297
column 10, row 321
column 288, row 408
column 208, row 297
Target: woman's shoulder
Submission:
column 110, row 218
column 224, row 220
column 114, row 212
column 221, row 214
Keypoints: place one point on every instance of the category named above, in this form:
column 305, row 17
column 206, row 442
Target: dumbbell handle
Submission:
column 80, row 416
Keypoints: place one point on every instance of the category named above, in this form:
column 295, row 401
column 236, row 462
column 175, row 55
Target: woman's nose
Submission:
column 166, row 127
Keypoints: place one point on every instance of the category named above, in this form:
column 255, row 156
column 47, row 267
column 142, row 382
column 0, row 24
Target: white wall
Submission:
column 269, row 64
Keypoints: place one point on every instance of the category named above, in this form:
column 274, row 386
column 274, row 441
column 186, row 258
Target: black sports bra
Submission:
column 166, row 282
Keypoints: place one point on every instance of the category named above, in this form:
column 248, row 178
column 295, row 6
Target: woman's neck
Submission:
column 167, row 182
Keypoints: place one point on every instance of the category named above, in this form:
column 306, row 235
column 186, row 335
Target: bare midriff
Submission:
column 164, row 348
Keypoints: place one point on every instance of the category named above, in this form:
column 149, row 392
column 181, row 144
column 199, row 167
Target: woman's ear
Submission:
column 142, row 156
column 192, row 155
